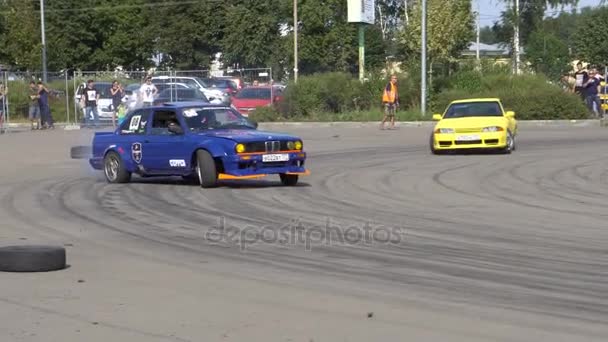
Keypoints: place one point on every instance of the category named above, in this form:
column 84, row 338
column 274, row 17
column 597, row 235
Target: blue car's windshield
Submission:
column 206, row 118
column 461, row 110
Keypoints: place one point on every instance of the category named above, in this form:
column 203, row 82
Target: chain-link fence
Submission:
column 16, row 98
column 66, row 90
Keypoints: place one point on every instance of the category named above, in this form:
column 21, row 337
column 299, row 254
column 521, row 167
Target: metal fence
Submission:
column 66, row 89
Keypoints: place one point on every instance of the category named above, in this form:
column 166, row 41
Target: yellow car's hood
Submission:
column 473, row 122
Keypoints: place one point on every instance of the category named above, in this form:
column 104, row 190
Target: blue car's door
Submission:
column 132, row 136
column 168, row 152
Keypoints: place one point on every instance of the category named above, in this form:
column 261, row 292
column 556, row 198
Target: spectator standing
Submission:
column 390, row 100
column 45, row 108
column 592, row 87
column 582, row 76
column 34, row 111
column 147, row 92
column 89, row 103
column 117, row 93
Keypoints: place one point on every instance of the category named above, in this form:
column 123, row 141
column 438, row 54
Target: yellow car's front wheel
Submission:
column 510, row 147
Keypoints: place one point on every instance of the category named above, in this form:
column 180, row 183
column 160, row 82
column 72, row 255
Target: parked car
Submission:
column 214, row 95
column 225, row 85
column 236, row 80
column 250, row 98
column 130, row 100
column 179, row 95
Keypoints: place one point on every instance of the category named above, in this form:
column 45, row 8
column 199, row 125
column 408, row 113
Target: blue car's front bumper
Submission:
column 246, row 165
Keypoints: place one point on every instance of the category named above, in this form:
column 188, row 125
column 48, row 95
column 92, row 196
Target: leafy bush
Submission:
column 531, row 97
column 338, row 93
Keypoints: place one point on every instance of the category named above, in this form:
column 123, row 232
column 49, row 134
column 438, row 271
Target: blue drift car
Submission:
column 198, row 141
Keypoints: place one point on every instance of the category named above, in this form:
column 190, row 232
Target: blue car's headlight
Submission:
column 444, row 130
column 493, row 129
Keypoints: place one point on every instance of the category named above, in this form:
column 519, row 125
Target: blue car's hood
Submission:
column 248, row 135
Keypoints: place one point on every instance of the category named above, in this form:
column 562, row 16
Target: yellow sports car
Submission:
column 474, row 124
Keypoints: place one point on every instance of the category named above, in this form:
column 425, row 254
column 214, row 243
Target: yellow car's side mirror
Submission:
column 436, row 117
column 510, row 114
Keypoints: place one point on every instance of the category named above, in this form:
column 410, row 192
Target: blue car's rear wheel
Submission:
column 206, row 169
column 114, row 169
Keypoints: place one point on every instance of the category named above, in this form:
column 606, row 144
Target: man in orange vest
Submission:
column 390, row 100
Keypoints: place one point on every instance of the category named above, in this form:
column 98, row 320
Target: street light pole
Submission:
column 44, row 76
column 423, row 62
column 295, row 41
column 516, row 38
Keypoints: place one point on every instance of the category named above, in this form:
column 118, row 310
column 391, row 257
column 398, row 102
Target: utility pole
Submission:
column 361, row 52
column 423, row 62
column 516, row 38
column 478, row 31
column 295, row 41
column 44, row 76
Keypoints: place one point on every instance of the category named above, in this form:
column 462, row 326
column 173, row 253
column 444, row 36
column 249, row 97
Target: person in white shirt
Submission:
column 147, row 92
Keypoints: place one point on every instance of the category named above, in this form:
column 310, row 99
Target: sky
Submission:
column 490, row 9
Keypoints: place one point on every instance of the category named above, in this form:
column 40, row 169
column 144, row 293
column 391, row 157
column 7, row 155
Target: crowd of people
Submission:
column 90, row 99
column 588, row 83
column 39, row 109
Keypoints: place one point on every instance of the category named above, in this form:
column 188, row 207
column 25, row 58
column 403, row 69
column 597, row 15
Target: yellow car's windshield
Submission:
column 462, row 110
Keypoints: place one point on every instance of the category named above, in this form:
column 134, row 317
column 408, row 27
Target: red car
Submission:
column 250, row 98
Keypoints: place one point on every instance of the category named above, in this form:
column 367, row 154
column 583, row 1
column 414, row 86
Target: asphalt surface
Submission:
column 383, row 242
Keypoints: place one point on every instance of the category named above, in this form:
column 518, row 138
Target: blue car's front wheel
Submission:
column 205, row 169
column 289, row 180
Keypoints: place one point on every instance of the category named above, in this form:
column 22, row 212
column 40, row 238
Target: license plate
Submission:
column 468, row 137
column 275, row 157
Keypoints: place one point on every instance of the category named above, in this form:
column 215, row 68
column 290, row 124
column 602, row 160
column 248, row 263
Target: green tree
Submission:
column 450, row 28
column 588, row 41
column 531, row 14
column 328, row 42
column 20, row 41
column 548, row 54
column 252, row 34
column 187, row 35
column 487, row 35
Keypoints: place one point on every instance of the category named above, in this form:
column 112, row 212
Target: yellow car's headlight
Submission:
column 240, row 148
column 298, row 145
column 444, row 130
column 493, row 129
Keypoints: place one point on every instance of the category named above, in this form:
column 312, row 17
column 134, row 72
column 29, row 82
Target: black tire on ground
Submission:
column 32, row 258
column 80, row 152
column 206, row 169
column 289, row 180
column 432, row 145
column 510, row 144
column 114, row 169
